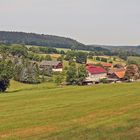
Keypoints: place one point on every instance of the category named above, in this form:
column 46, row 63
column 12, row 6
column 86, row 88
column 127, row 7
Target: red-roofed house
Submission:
column 95, row 73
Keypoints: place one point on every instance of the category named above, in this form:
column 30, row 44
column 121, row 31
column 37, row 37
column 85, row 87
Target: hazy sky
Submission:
column 88, row 21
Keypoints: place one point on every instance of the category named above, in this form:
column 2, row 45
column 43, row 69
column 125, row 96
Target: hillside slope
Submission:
column 110, row 112
column 45, row 40
column 37, row 39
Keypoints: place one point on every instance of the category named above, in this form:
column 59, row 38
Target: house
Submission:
column 116, row 74
column 56, row 66
column 95, row 73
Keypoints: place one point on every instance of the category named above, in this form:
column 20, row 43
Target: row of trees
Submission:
column 22, row 51
column 79, row 57
column 45, row 50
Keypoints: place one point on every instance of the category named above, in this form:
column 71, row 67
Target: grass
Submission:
column 47, row 112
column 135, row 59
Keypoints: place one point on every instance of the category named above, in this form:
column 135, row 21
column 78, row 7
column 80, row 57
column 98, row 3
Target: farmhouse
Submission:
column 116, row 74
column 57, row 66
column 95, row 73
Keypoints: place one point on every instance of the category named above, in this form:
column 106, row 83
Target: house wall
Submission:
column 57, row 70
column 96, row 77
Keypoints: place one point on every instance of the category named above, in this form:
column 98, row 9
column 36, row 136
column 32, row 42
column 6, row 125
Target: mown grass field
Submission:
column 47, row 112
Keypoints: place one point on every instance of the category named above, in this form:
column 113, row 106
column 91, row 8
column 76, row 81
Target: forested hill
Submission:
column 44, row 40
column 37, row 39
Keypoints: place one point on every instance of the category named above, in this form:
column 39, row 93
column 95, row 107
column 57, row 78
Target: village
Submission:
column 36, row 65
column 96, row 73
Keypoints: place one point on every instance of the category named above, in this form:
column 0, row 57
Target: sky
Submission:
column 108, row 22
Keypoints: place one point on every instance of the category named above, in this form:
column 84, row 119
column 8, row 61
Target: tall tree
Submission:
column 81, row 57
column 132, row 72
column 82, row 74
column 6, row 73
column 71, row 75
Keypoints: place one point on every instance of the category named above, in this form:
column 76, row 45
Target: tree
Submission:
column 6, row 73
column 76, row 75
column 71, row 75
column 61, row 58
column 82, row 73
column 70, row 55
column 90, row 55
column 18, row 50
column 27, row 72
column 34, row 49
column 48, row 58
column 59, row 79
column 62, row 52
column 132, row 72
column 81, row 57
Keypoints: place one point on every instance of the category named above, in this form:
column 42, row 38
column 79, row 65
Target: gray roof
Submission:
column 50, row 63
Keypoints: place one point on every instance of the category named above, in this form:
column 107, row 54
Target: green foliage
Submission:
column 18, row 50
column 34, row 49
column 98, row 58
column 70, row 55
column 81, row 57
column 82, row 74
column 48, row 58
column 105, row 81
column 35, row 57
column 71, row 75
column 76, row 75
column 123, row 56
column 59, row 78
column 104, row 59
column 47, row 71
column 48, row 50
column 27, row 72
column 61, row 58
column 6, row 73
column 62, row 52
column 90, row 55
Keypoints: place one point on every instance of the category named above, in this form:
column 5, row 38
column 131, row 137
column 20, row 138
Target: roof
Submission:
column 50, row 63
column 95, row 69
column 106, row 64
column 120, row 73
column 113, row 70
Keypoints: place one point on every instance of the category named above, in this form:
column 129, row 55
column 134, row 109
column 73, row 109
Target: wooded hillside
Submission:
column 45, row 40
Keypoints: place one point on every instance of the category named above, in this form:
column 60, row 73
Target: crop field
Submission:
column 48, row 112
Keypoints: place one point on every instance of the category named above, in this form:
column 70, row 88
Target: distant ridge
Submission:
column 57, row 42
column 37, row 39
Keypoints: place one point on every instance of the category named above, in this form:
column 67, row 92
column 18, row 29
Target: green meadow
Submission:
column 47, row 112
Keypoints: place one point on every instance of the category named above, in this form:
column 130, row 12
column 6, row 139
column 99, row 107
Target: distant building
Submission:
column 95, row 73
column 116, row 74
column 57, row 66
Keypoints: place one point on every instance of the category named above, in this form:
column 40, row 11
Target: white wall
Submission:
column 96, row 77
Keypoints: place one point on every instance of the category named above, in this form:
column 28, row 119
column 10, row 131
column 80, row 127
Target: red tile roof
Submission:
column 120, row 74
column 95, row 69
column 106, row 64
